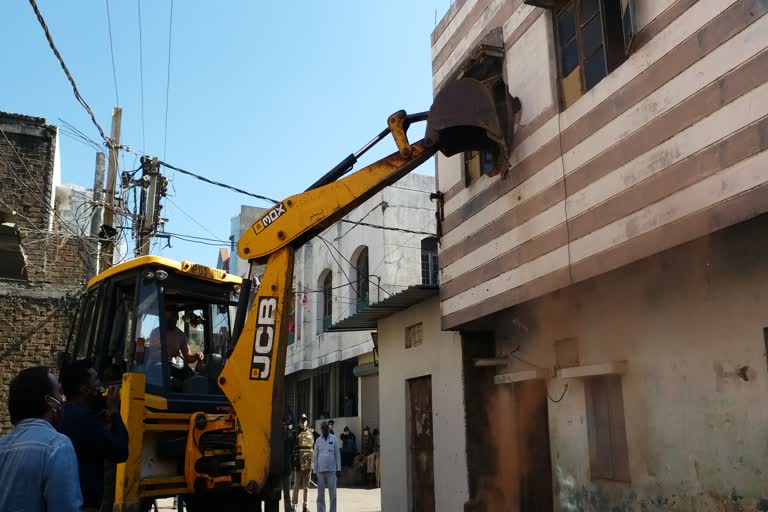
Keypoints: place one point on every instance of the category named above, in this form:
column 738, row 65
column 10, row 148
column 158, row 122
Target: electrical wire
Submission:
column 565, row 389
column 332, row 248
column 76, row 138
column 397, row 248
column 45, row 202
column 168, row 83
column 74, row 132
column 193, row 219
column 198, row 237
column 112, row 53
column 217, row 183
column 141, row 77
column 192, row 241
column 341, row 268
column 361, row 218
column 386, row 228
column 55, row 50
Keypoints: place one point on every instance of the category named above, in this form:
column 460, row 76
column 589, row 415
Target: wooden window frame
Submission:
column 606, row 428
column 614, row 54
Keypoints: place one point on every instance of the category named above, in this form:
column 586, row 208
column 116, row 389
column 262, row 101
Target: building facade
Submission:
column 237, row 226
column 424, row 465
column 43, row 263
column 373, row 253
column 608, row 272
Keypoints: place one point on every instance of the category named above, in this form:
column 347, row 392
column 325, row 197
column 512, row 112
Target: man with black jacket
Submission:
column 95, row 427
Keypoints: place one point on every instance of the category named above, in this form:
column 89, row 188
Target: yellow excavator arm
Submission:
column 463, row 117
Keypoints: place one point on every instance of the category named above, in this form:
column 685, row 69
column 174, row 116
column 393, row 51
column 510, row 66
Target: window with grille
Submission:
column 325, row 306
column 429, row 262
column 363, row 279
column 414, row 335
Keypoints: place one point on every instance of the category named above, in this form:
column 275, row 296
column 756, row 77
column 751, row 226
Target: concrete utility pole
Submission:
column 150, row 205
column 109, row 232
column 98, row 211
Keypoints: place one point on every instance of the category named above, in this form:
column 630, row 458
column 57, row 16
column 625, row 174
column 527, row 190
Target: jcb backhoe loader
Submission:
column 213, row 433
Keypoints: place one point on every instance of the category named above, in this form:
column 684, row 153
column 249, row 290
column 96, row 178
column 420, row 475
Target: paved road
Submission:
column 347, row 500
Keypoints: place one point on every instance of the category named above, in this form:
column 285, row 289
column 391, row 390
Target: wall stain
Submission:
column 575, row 498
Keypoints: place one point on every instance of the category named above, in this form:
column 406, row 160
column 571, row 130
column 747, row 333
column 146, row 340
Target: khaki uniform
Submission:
column 302, row 464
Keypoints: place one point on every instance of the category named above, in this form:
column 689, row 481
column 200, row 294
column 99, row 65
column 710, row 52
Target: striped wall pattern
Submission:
column 669, row 147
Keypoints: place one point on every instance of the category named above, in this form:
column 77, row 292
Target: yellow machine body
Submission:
column 252, row 377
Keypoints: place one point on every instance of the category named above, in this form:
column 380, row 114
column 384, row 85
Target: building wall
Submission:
column 36, row 311
column 238, row 225
column 690, row 324
column 394, row 264
column 440, row 357
column 668, row 147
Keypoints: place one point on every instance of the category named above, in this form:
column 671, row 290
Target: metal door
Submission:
column 422, row 452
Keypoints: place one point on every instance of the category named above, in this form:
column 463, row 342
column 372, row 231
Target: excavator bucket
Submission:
column 465, row 117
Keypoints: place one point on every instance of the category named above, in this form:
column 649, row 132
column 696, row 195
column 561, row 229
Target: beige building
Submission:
column 422, row 419
column 614, row 263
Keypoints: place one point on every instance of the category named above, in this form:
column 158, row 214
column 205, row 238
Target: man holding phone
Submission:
column 94, row 426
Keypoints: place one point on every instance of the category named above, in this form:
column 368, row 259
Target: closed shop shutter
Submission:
column 369, row 401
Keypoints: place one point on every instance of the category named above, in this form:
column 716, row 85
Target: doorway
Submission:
column 536, row 494
column 422, row 448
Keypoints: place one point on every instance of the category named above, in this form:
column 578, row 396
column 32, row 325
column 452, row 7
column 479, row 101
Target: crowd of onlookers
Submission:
column 304, row 457
column 53, row 460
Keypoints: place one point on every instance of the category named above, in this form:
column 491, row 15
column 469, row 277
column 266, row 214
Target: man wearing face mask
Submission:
column 38, row 466
column 95, row 427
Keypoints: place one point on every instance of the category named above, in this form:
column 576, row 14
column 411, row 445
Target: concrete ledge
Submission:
column 593, row 370
column 535, row 374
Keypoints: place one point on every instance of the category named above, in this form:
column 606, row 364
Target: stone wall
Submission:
column 36, row 310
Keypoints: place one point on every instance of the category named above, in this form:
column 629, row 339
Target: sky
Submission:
column 265, row 96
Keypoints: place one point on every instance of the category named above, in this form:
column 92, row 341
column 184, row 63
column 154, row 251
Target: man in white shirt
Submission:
column 327, row 463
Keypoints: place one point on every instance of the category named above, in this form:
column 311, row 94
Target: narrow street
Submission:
column 348, row 500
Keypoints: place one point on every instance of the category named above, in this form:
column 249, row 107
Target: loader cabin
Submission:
column 135, row 317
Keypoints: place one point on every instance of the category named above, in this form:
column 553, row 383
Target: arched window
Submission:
column 325, row 304
column 429, row 266
column 362, row 281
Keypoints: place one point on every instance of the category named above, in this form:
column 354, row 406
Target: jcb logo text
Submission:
column 263, row 343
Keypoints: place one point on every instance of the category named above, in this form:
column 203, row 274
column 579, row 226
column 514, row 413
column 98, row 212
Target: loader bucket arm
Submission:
column 464, row 119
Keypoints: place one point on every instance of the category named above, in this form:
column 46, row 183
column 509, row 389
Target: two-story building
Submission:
column 608, row 280
column 374, row 253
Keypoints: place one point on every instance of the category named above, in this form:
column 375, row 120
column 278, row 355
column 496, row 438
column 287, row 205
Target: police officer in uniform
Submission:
column 302, row 461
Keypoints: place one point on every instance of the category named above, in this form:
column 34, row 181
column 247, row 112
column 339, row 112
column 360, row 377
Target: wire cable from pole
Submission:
column 218, row 183
column 112, row 53
column 55, row 50
column 193, row 219
column 565, row 388
column 141, row 80
column 168, row 83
